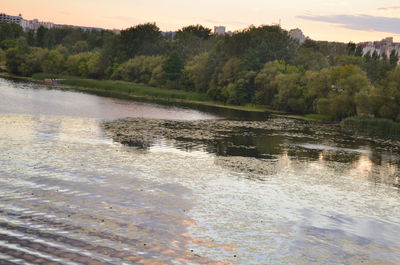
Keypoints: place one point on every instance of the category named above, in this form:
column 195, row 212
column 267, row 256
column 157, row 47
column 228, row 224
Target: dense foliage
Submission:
column 258, row 65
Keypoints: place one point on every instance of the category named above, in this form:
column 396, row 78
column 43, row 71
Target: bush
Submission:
column 139, row 69
column 370, row 126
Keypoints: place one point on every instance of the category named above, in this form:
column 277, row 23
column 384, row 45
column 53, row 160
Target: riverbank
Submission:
column 134, row 91
column 130, row 90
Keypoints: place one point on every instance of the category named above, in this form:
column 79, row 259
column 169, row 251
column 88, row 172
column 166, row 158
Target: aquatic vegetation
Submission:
column 383, row 127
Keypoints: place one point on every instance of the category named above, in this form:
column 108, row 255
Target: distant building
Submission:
column 77, row 27
column 169, row 35
column 34, row 24
column 219, row 30
column 116, row 31
column 298, row 35
column 10, row 19
column 381, row 48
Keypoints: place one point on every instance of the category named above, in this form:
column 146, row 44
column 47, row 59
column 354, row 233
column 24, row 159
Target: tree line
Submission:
column 257, row 65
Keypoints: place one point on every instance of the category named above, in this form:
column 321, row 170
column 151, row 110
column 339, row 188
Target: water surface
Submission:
column 34, row 99
column 278, row 191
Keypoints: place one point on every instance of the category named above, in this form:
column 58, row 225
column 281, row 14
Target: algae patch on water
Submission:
column 144, row 132
column 251, row 147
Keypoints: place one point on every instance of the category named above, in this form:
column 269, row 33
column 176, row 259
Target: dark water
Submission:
column 278, row 191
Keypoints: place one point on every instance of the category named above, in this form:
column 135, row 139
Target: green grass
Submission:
column 123, row 88
column 130, row 90
column 381, row 127
column 41, row 76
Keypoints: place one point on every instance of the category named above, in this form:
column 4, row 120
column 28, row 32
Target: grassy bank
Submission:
column 370, row 126
column 125, row 88
column 135, row 91
column 129, row 90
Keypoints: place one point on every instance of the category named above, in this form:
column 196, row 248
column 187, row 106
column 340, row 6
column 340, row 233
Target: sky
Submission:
column 332, row 20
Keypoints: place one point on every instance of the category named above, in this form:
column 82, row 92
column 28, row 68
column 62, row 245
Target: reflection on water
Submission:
column 250, row 146
column 34, row 99
column 278, row 191
column 67, row 193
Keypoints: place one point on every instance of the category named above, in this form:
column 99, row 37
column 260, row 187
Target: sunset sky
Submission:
column 333, row 20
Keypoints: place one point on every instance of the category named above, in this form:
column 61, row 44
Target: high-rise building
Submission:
column 10, row 19
column 298, row 35
column 219, row 30
column 34, row 24
column 380, row 48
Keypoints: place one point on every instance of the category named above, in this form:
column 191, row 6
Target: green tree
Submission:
column 32, row 62
column 265, row 85
column 239, row 91
column 199, row 71
column 394, row 58
column 354, row 60
column 331, row 50
column 54, row 62
column 386, row 96
column 351, row 48
column 71, row 37
column 144, row 39
column 80, row 46
column 2, row 59
column 192, row 40
column 139, row 69
column 94, row 66
column 359, row 51
column 7, row 44
column 258, row 45
column 311, row 59
column 173, row 66
column 197, row 30
column 76, row 64
column 289, row 96
column 157, row 77
column 15, row 57
column 30, row 38
column 230, row 71
column 41, row 38
column 10, row 31
column 337, row 106
column 365, row 104
column 334, row 91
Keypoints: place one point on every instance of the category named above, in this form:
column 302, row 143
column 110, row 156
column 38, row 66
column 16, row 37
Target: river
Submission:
column 269, row 190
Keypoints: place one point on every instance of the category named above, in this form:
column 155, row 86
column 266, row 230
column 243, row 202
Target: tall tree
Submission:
column 197, row 30
column 173, row 66
column 393, row 58
column 144, row 39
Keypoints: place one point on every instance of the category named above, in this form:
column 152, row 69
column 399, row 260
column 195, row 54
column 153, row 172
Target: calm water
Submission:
column 277, row 191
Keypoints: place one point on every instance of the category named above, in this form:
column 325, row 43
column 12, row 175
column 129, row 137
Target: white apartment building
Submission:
column 34, row 24
column 381, row 48
column 10, row 19
column 298, row 35
column 219, row 30
column 27, row 25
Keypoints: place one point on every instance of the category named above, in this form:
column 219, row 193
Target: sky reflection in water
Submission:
column 69, row 193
